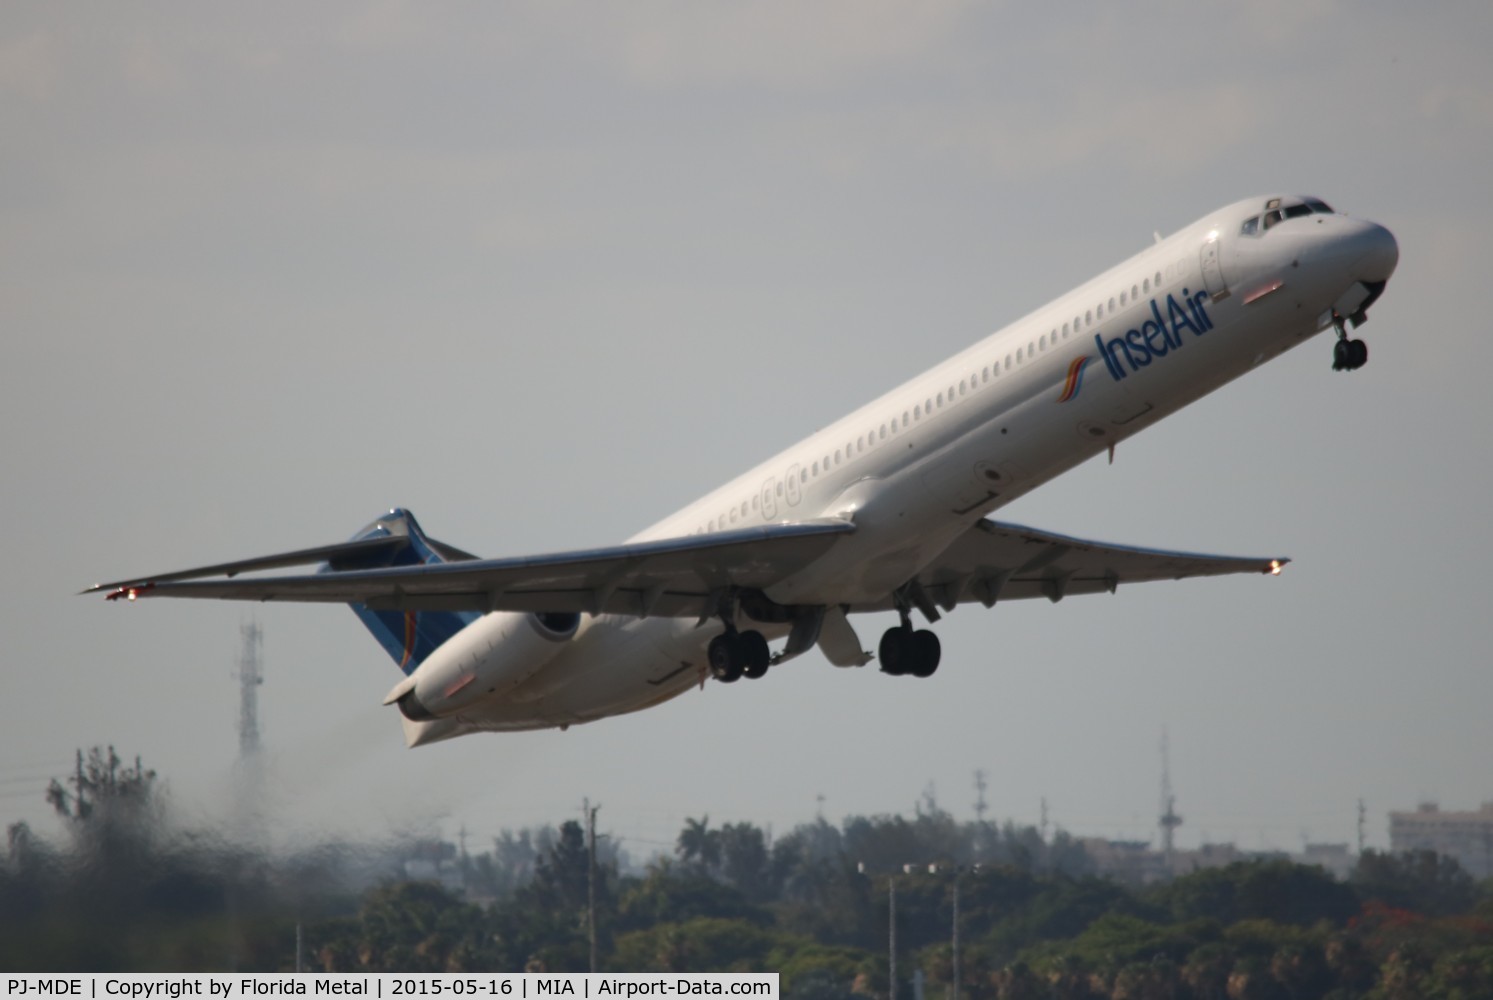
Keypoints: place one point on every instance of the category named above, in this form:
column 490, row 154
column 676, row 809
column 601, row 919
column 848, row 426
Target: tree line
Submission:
column 126, row 891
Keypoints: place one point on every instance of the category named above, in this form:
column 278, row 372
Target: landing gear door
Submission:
column 1212, row 270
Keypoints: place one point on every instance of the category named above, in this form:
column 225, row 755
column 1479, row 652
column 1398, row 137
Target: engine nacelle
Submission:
column 491, row 656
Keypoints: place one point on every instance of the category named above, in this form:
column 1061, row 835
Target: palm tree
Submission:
column 698, row 845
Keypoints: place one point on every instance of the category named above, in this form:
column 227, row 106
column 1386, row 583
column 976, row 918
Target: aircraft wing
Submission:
column 677, row 577
column 1000, row 562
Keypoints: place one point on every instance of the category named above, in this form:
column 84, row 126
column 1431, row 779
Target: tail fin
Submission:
column 407, row 636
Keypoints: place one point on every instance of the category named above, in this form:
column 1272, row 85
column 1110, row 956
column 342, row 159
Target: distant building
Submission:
column 1335, row 859
column 1136, row 862
column 1208, row 856
column 1465, row 836
column 1130, row 861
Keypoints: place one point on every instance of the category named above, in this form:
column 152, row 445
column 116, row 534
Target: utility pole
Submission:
column 891, row 890
column 1043, row 865
column 591, row 877
column 957, row 872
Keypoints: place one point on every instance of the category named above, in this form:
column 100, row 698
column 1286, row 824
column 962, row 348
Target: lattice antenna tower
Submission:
column 1169, row 820
column 250, row 675
column 981, row 806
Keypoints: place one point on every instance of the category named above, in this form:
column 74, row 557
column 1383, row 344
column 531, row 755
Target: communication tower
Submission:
column 250, row 675
column 1169, row 820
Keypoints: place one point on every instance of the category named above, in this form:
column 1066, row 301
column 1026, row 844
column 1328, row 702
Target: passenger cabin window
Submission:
column 1044, row 341
column 1134, row 292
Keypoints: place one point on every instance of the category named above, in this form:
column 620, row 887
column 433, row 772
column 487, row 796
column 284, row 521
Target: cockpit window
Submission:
column 1278, row 211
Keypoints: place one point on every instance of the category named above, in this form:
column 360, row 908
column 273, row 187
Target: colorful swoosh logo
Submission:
column 1075, row 378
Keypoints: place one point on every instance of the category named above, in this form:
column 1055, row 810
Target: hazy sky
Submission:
column 545, row 272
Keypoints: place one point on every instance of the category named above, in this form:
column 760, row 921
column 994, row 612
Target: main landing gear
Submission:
column 1347, row 355
column 734, row 655
column 904, row 651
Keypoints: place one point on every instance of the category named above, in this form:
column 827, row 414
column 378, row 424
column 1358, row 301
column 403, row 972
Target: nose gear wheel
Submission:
column 1347, row 355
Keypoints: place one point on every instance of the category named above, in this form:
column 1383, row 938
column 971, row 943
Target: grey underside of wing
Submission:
column 998, row 562
column 676, row 577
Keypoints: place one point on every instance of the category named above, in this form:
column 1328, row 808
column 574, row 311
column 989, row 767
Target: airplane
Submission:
column 884, row 510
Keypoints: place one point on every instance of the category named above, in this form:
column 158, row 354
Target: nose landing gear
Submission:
column 1347, row 355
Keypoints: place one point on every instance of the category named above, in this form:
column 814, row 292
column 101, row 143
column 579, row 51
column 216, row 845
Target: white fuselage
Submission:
column 915, row 468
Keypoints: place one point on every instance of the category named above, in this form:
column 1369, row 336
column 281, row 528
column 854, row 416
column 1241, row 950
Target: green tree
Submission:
column 671, row 893
column 1258, row 890
column 702, row 945
column 1463, row 975
column 699, row 846
column 745, row 862
column 1422, row 881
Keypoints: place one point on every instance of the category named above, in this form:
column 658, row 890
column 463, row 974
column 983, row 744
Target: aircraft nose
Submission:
column 1378, row 253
